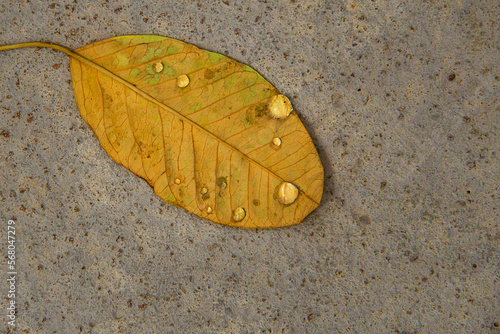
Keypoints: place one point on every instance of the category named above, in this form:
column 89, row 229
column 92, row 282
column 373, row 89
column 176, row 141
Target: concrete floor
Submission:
column 401, row 99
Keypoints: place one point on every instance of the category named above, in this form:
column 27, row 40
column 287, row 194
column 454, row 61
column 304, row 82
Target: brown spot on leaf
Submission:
column 209, row 74
column 222, row 182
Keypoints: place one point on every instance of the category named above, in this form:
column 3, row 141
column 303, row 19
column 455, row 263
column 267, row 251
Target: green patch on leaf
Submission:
column 196, row 107
column 146, row 39
column 173, row 49
column 150, row 55
column 215, row 57
column 134, row 73
column 248, row 121
column 149, row 69
column 169, row 71
column 123, row 60
column 153, row 80
column 160, row 51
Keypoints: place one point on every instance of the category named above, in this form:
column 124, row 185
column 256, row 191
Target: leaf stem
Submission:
column 62, row 49
column 80, row 58
column 65, row 50
column 36, row 44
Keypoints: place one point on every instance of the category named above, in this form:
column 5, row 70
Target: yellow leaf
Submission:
column 209, row 134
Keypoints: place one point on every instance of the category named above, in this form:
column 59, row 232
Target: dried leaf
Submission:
column 209, row 134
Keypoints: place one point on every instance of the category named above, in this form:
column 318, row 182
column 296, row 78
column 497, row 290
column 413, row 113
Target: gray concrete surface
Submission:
column 402, row 101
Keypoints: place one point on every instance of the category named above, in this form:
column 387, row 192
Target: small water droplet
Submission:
column 279, row 106
column 277, row 142
column 238, row 214
column 223, row 185
column 287, row 193
column 182, row 81
column 204, row 190
column 209, row 209
column 177, row 181
column 158, row 67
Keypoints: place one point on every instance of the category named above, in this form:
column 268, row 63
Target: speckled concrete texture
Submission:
column 401, row 99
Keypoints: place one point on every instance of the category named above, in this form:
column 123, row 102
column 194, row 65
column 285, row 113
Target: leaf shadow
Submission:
column 329, row 181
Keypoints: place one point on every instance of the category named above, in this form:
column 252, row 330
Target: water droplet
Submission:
column 209, row 209
column 177, row 181
column 223, row 185
column 182, row 81
column 287, row 193
column 158, row 67
column 204, row 190
column 238, row 214
column 277, row 142
column 279, row 106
